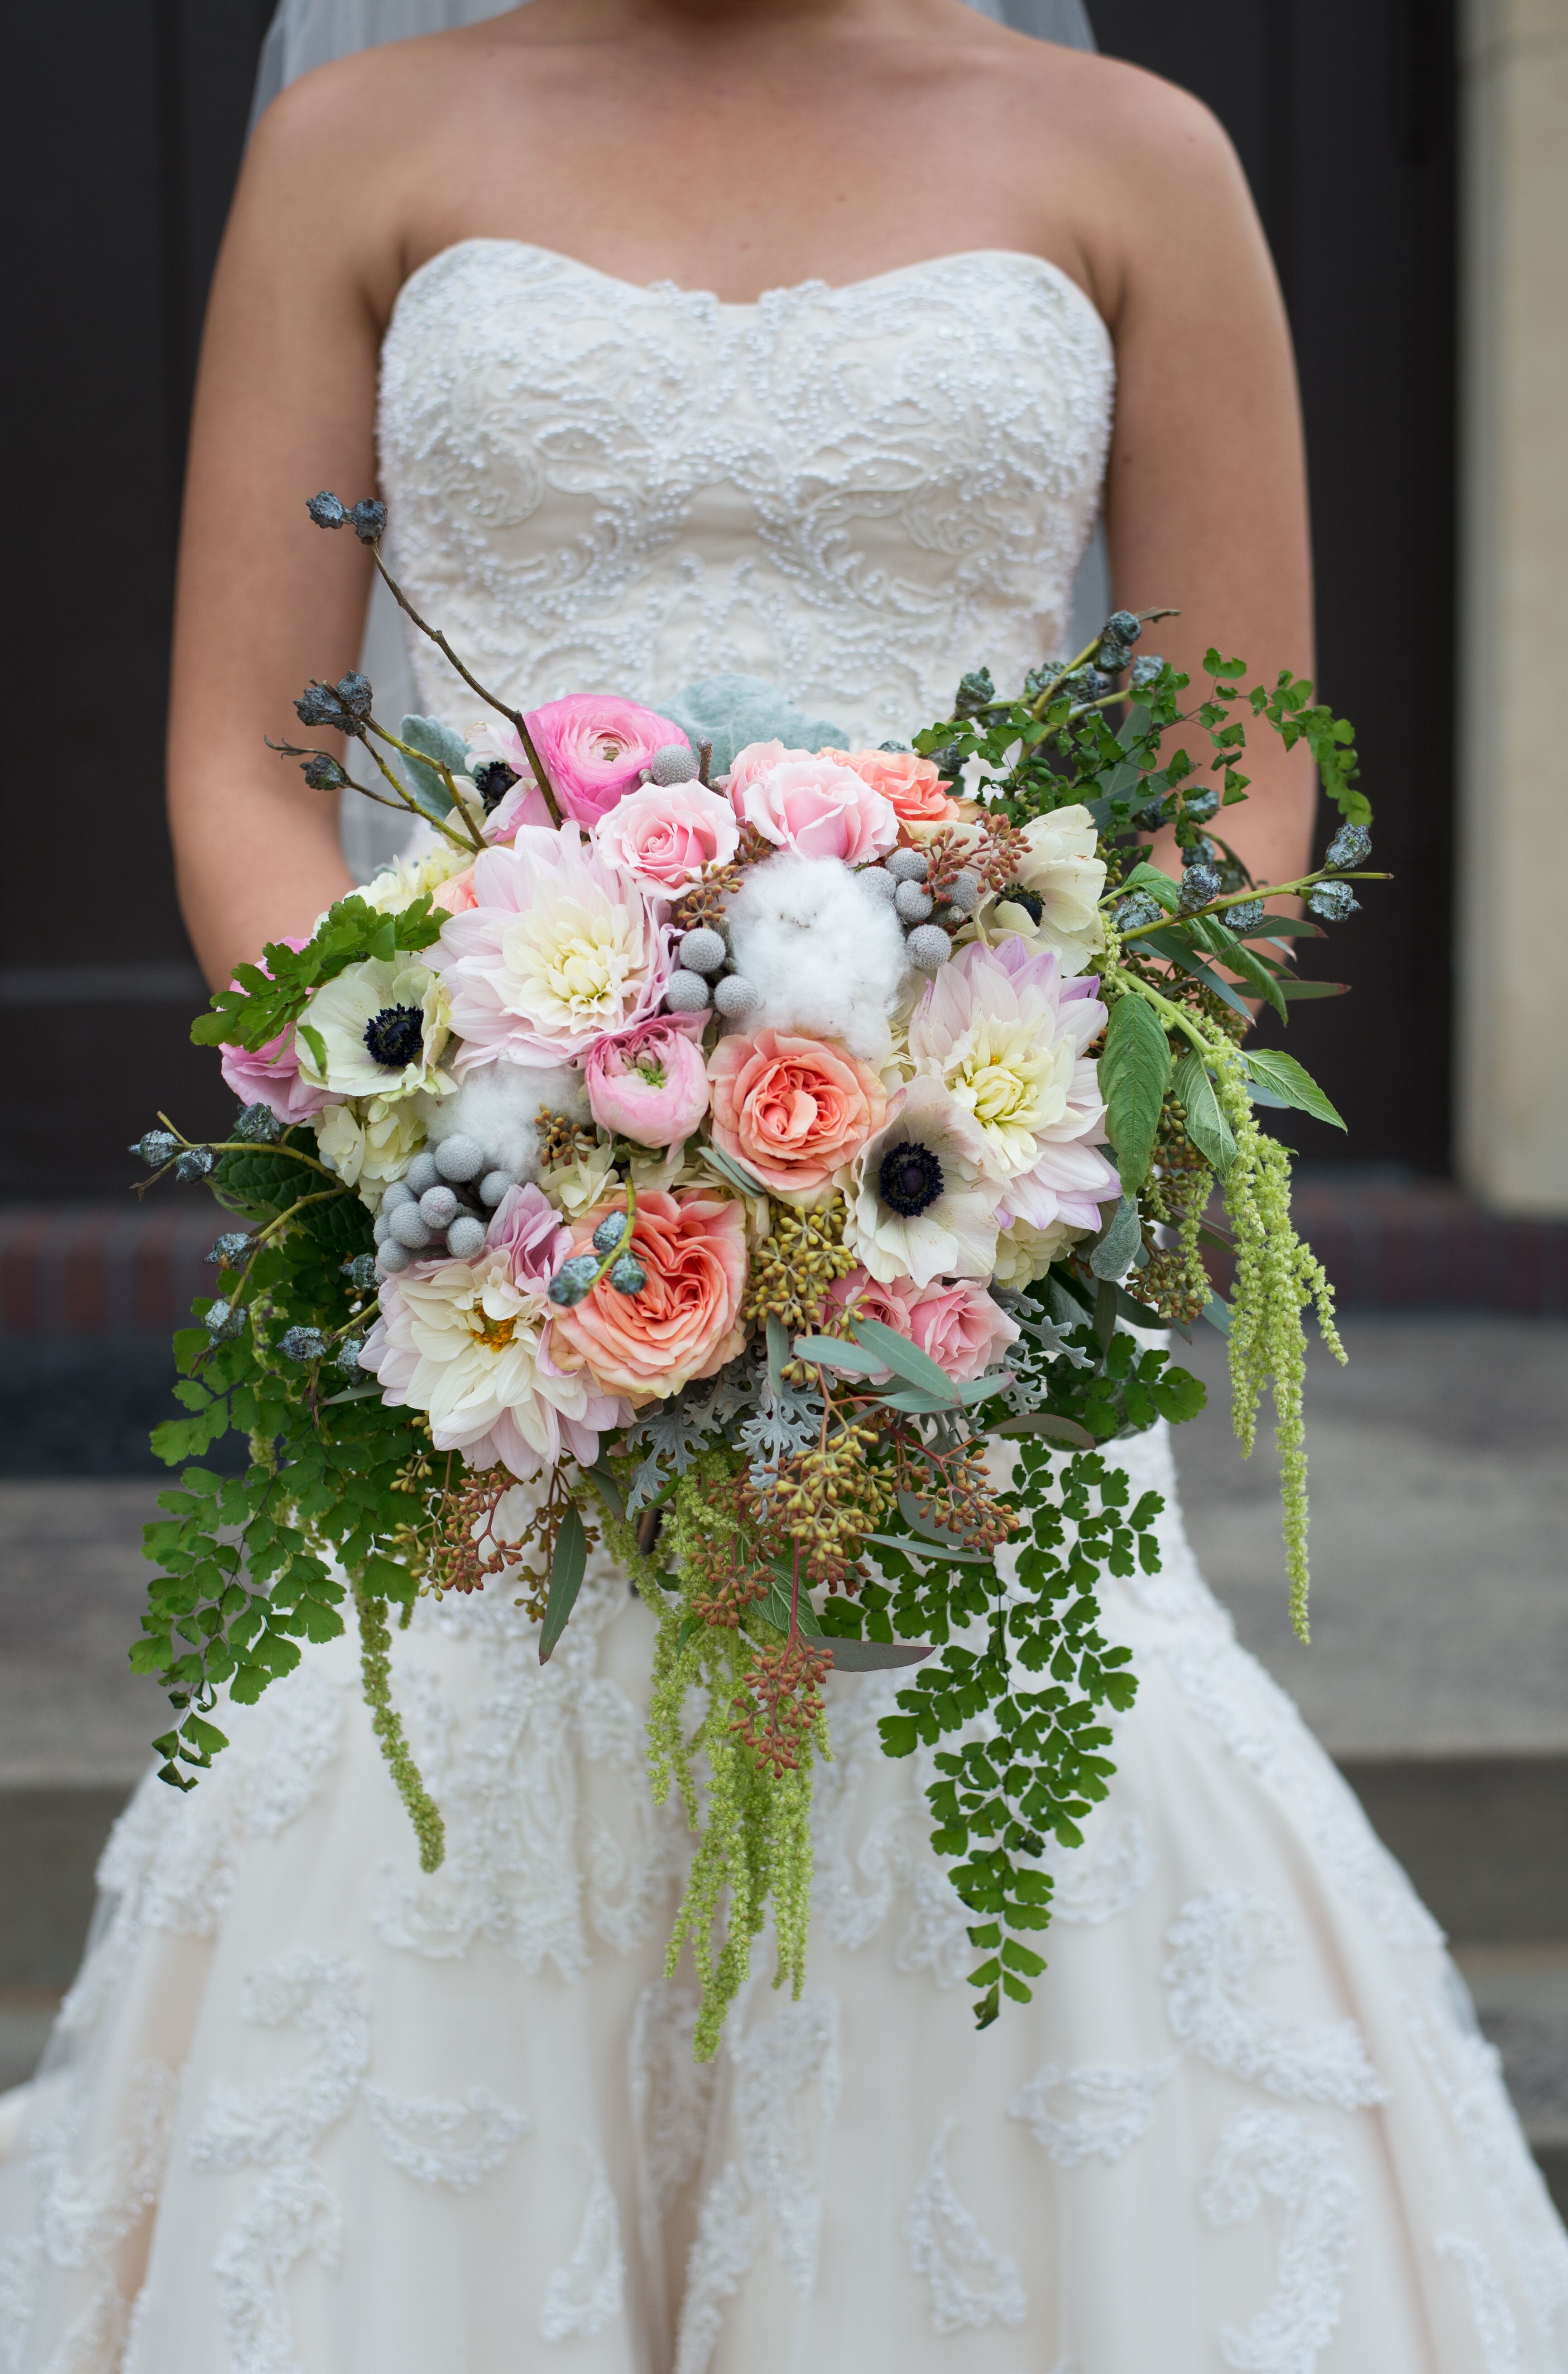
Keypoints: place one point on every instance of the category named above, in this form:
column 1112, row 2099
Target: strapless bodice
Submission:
column 855, row 492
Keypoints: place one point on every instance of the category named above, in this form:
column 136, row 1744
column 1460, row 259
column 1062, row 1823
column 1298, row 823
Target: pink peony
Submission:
column 665, row 835
column 964, row 1331
column 912, row 786
column 469, row 1343
column 593, row 746
column 795, row 1110
column 650, row 1082
column 270, row 1075
column 560, row 949
column 818, row 807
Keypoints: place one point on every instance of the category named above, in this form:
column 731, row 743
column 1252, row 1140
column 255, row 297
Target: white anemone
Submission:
column 919, row 1204
column 377, row 1031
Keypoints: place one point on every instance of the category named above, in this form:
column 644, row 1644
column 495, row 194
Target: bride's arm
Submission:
column 1206, row 494
column 284, row 405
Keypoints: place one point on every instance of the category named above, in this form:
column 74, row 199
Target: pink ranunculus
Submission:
column 666, row 834
column 819, row 807
column 795, row 1110
column 963, row 1331
column 912, row 786
column 456, row 894
column 650, row 1082
column 593, row 748
column 270, row 1075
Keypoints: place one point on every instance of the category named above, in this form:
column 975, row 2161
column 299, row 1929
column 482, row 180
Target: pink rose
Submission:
column 270, row 1075
column 456, row 894
column 748, row 765
column 794, row 1111
column 860, row 1296
column 912, row 786
column 593, row 746
column 819, row 808
column 666, row 834
column 649, row 1084
column 964, row 1331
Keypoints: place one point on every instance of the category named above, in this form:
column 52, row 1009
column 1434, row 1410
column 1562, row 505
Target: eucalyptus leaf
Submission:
column 827, row 1352
column 930, row 1549
column 905, row 1360
column 566, row 1581
column 912, row 1515
column 734, row 1174
column 874, row 1656
column 1207, row 1125
column 1055, row 1430
column 1133, row 1069
column 1217, row 1311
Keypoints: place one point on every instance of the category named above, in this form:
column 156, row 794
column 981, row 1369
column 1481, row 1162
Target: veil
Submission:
column 307, row 34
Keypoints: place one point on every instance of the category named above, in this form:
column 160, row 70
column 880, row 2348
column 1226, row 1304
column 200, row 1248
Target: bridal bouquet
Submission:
column 759, row 1158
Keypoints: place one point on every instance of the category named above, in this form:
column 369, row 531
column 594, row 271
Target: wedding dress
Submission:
column 310, row 2113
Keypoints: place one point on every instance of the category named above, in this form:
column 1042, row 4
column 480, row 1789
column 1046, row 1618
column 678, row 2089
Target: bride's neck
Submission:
column 739, row 25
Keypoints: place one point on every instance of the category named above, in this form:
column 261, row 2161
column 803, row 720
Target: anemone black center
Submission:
column 395, row 1036
column 494, row 781
column 1034, row 907
column 910, row 1180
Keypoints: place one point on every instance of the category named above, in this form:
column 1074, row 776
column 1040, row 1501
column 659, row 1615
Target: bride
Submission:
column 797, row 337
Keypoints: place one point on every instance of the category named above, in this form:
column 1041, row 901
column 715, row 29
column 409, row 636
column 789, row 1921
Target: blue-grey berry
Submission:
column 1136, row 910
column 466, row 1237
column 735, row 996
column 1125, row 624
column 628, row 1275
column 1351, row 845
column 1330, row 902
column 1243, row 920
column 1112, row 657
column 325, row 510
column 1199, row 884
column 438, row 1208
column 913, row 901
column 908, row 865
column 975, row 692
column 493, row 1186
column 320, row 705
column 928, row 948
column 673, row 762
column 703, row 950
column 892, row 746
column 687, row 993
column 610, row 1232
column 224, row 1321
column 231, row 1248
column 459, row 1158
column 369, row 518
column 323, row 774
column 1145, row 671
column 156, row 1146
column 354, row 691
column 1200, row 806
column 573, row 1280
column 303, row 1344
column 361, row 1272
column 346, row 1357
column 196, row 1162
column 258, row 1125
column 421, row 1173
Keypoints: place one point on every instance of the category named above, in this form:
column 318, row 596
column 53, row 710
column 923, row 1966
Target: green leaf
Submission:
column 775, row 1606
column 734, row 1173
column 1292, row 1083
column 1293, row 989
column 874, row 1656
column 1173, row 948
column 1134, row 1070
column 446, row 748
column 1158, row 884
column 316, row 1043
column 827, row 1351
column 940, row 1550
column 1054, row 1429
column 1119, row 1240
column 905, row 1360
column 566, row 1581
column 1217, row 1311
column 1207, row 1125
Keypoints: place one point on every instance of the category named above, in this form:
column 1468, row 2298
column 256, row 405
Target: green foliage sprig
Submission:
column 269, row 999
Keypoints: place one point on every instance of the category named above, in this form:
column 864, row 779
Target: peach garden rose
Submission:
column 685, row 1321
column 912, row 786
column 795, row 1110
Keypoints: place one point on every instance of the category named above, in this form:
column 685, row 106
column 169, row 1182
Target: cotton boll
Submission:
column 497, row 1108
column 822, row 958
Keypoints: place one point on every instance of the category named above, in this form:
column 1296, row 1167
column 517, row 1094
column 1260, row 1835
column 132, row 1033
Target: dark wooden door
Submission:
column 124, row 134
column 1342, row 112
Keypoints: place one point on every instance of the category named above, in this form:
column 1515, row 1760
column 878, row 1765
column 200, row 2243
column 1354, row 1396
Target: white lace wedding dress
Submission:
column 309, row 2112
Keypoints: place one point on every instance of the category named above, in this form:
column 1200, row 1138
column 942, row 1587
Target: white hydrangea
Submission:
column 369, row 1143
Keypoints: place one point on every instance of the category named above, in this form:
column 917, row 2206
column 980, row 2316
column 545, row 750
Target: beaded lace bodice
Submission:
column 855, row 493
